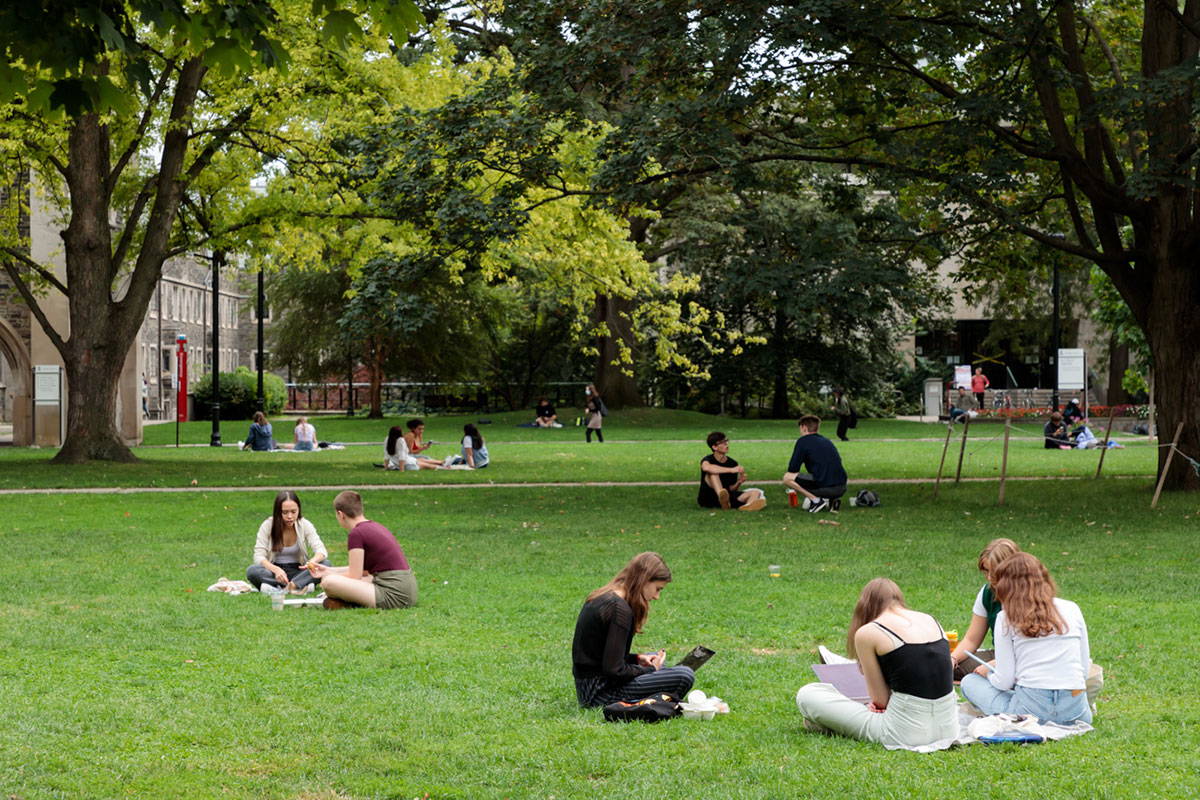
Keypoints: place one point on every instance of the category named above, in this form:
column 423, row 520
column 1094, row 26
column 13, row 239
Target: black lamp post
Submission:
column 1055, row 343
column 261, row 303
column 215, row 441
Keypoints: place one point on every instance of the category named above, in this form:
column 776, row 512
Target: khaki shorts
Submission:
column 396, row 588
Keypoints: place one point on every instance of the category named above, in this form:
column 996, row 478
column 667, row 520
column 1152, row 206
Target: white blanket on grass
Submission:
column 971, row 727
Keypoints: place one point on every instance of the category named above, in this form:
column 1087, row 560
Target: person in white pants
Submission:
column 905, row 658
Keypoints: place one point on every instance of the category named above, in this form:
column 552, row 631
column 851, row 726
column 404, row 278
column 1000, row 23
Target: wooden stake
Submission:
column 1163, row 478
column 1004, row 460
column 1107, row 431
column 963, row 449
column 945, row 447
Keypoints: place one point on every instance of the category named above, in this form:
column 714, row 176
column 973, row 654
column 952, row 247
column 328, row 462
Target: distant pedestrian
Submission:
column 596, row 412
column 979, row 383
column 845, row 412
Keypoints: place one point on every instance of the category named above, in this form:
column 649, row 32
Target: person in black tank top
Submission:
column 905, row 658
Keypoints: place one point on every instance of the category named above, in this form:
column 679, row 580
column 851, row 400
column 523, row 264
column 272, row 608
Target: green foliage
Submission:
column 1113, row 315
column 59, row 53
column 239, row 394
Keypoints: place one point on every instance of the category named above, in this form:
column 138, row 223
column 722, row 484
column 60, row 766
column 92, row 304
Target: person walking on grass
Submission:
column 825, row 482
column 286, row 545
column 378, row 575
column 905, row 659
column 596, row 412
column 979, row 384
column 721, row 479
column 605, row 670
column 845, row 413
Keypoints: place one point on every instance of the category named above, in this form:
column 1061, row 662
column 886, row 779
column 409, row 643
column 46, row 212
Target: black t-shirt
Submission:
column 821, row 458
column 708, row 496
column 545, row 411
column 603, row 637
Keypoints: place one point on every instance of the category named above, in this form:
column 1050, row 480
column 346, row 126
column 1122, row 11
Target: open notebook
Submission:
column 845, row 678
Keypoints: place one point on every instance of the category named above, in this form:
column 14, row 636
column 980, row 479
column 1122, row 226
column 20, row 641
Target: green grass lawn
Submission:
column 123, row 677
column 880, row 449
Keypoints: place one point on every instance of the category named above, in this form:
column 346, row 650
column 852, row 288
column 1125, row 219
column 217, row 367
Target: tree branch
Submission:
column 38, row 268
column 35, row 309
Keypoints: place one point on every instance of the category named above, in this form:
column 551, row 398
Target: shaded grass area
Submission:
column 551, row 456
column 122, row 677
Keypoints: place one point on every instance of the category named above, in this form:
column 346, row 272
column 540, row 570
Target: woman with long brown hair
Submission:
column 1042, row 650
column 983, row 613
column 904, row 657
column 604, row 668
column 286, row 546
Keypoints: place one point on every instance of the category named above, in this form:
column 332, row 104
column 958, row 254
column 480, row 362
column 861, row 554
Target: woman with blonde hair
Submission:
column 1042, row 651
column 983, row 613
column 604, row 668
column 904, row 657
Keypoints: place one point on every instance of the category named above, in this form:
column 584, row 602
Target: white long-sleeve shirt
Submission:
column 1056, row 661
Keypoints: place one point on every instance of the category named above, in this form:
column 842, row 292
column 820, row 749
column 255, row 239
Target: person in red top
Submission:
column 378, row 575
column 979, row 383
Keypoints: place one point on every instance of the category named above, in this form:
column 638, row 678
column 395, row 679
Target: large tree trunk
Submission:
column 1173, row 330
column 614, row 379
column 95, row 347
column 102, row 329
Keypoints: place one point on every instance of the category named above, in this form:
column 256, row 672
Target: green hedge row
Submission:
column 239, row 394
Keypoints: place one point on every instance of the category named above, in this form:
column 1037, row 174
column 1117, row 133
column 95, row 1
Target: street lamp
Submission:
column 1061, row 237
column 215, row 440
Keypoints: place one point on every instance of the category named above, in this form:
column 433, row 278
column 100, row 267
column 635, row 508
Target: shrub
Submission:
column 239, row 395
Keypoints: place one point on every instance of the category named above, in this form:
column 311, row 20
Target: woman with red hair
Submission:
column 1042, row 652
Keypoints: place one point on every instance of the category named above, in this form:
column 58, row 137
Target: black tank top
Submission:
column 922, row 670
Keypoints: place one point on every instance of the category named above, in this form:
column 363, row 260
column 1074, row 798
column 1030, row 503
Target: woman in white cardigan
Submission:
column 287, row 543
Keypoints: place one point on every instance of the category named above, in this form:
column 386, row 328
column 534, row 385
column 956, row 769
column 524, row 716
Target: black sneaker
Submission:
column 820, row 504
column 835, row 505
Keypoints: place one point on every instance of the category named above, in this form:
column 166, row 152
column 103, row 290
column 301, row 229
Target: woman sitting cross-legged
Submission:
column 397, row 455
column 905, row 659
column 605, row 671
column 1042, row 651
column 287, row 544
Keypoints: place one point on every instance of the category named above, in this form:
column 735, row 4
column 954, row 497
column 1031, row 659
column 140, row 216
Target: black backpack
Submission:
column 655, row 708
column 867, row 498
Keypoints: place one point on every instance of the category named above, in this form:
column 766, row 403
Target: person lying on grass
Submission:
column 287, row 543
column 905, row 658
column 983, row 613
column 1042, row 651
column 378, row 575
column 605, row 670
column 721, row 479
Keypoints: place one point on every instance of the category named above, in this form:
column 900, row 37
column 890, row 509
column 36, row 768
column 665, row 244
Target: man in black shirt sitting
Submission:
column 826, row 482
column 721, row 479
column 546, row 417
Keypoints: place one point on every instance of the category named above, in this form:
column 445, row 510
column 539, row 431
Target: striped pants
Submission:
column 671, row 680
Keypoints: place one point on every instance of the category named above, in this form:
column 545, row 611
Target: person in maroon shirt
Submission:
column 378, row 575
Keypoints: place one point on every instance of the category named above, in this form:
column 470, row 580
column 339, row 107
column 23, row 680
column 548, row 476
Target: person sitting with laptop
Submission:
column 604, row 669
column 826, row 482
column 721, row 479
column 905, row 658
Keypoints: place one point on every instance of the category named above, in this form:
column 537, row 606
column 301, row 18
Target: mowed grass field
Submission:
column 122, row 677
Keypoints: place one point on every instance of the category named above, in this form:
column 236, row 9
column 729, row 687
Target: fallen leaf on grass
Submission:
column 828, row 522
column 764, row 651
